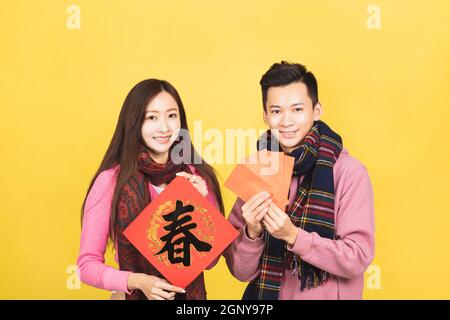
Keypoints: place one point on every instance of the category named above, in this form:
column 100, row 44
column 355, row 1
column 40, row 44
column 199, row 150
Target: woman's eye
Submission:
column 151, row 117
column 172, row 115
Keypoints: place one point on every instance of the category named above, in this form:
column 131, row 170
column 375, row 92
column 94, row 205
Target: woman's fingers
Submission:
column 182, row 174
column 168, row 287
column 163, row 294
column 190, row 177
column 197, row 181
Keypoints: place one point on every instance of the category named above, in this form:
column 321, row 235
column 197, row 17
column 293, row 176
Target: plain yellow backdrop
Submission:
column 386, row 91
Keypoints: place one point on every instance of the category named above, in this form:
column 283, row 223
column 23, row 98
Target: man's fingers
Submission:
column 268, row 220
column 274, row 215
column 259, row 208
column 274, row 207
column 261, row 214
column 262, row 209
column 257, row 202
column 267, row 225
column 253, row 198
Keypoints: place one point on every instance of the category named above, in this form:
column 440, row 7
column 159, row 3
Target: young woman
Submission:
column 137, row 166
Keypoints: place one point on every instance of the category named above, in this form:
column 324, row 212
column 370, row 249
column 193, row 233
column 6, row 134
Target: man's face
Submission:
column 290, row 114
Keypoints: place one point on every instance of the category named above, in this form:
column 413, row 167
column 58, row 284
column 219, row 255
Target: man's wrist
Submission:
column 250, row 234
column 292, row 236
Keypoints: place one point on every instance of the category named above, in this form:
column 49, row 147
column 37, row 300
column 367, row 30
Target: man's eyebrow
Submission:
column 292, row 105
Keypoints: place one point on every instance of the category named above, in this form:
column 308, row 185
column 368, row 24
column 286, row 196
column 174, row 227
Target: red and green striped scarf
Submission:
column 134, row 197
column 313, row 211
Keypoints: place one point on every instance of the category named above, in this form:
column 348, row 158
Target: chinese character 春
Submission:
column 178, row 225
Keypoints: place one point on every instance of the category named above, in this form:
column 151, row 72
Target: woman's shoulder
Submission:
column 107, row 175
column 103, row 186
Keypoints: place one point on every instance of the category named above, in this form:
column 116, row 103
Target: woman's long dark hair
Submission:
column 127, row 141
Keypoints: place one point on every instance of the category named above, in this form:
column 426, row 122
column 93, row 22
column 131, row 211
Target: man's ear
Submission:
column 317, row 111
column 266, row 121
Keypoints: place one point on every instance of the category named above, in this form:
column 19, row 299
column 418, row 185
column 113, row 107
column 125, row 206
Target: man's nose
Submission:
column 286, row 120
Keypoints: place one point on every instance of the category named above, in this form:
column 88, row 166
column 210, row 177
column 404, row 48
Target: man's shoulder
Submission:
column 347, row 164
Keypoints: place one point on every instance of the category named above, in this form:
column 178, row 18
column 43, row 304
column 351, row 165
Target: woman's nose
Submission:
column 163, row 126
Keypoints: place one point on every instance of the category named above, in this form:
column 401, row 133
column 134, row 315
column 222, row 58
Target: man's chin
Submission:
column 288, row 146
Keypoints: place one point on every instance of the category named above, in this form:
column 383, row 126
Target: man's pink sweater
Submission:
column 345, row 258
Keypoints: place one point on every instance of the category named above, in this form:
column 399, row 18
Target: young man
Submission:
column 319, row 246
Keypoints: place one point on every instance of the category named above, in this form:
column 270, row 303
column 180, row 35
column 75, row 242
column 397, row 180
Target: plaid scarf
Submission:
column 313, row 211
column 133, row 198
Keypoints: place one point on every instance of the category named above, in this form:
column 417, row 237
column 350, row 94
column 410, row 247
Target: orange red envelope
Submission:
column 264, row 171
column 180, row 232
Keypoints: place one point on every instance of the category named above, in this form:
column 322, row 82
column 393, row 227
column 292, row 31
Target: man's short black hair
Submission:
column 284, row 73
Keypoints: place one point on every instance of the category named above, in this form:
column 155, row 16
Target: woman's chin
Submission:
column 158, row 149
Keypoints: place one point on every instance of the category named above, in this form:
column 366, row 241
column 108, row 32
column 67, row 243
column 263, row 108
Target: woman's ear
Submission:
column 317, row 111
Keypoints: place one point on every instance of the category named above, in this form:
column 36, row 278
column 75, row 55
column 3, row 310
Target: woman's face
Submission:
column 161, row 125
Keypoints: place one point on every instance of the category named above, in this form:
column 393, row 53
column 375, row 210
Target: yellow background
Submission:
column 385, row 91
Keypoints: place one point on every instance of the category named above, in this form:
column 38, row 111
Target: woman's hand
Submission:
column 196, row 181
column 279, row 225
column 153, row 287
column 253, row 212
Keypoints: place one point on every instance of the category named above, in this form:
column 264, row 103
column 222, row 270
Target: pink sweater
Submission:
column 95, row 231
column 345, row 258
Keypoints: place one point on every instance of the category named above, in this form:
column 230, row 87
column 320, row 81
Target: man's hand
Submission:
column 253, row 211
column 279, row 225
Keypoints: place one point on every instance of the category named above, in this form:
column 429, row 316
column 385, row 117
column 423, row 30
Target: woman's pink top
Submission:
column 95, row 231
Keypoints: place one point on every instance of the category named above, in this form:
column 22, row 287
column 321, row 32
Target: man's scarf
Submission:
column 313, row 211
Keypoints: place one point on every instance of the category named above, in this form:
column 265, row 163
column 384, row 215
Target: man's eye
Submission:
column 298, row 109
column 275, row 111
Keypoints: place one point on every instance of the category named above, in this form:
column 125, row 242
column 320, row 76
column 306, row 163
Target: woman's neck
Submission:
column 161, row 158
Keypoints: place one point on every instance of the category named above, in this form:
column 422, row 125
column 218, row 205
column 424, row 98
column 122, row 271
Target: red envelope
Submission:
column 264, row 171
column 180, row 232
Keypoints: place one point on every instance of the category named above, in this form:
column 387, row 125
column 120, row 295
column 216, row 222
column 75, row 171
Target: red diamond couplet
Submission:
column 180, row 232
